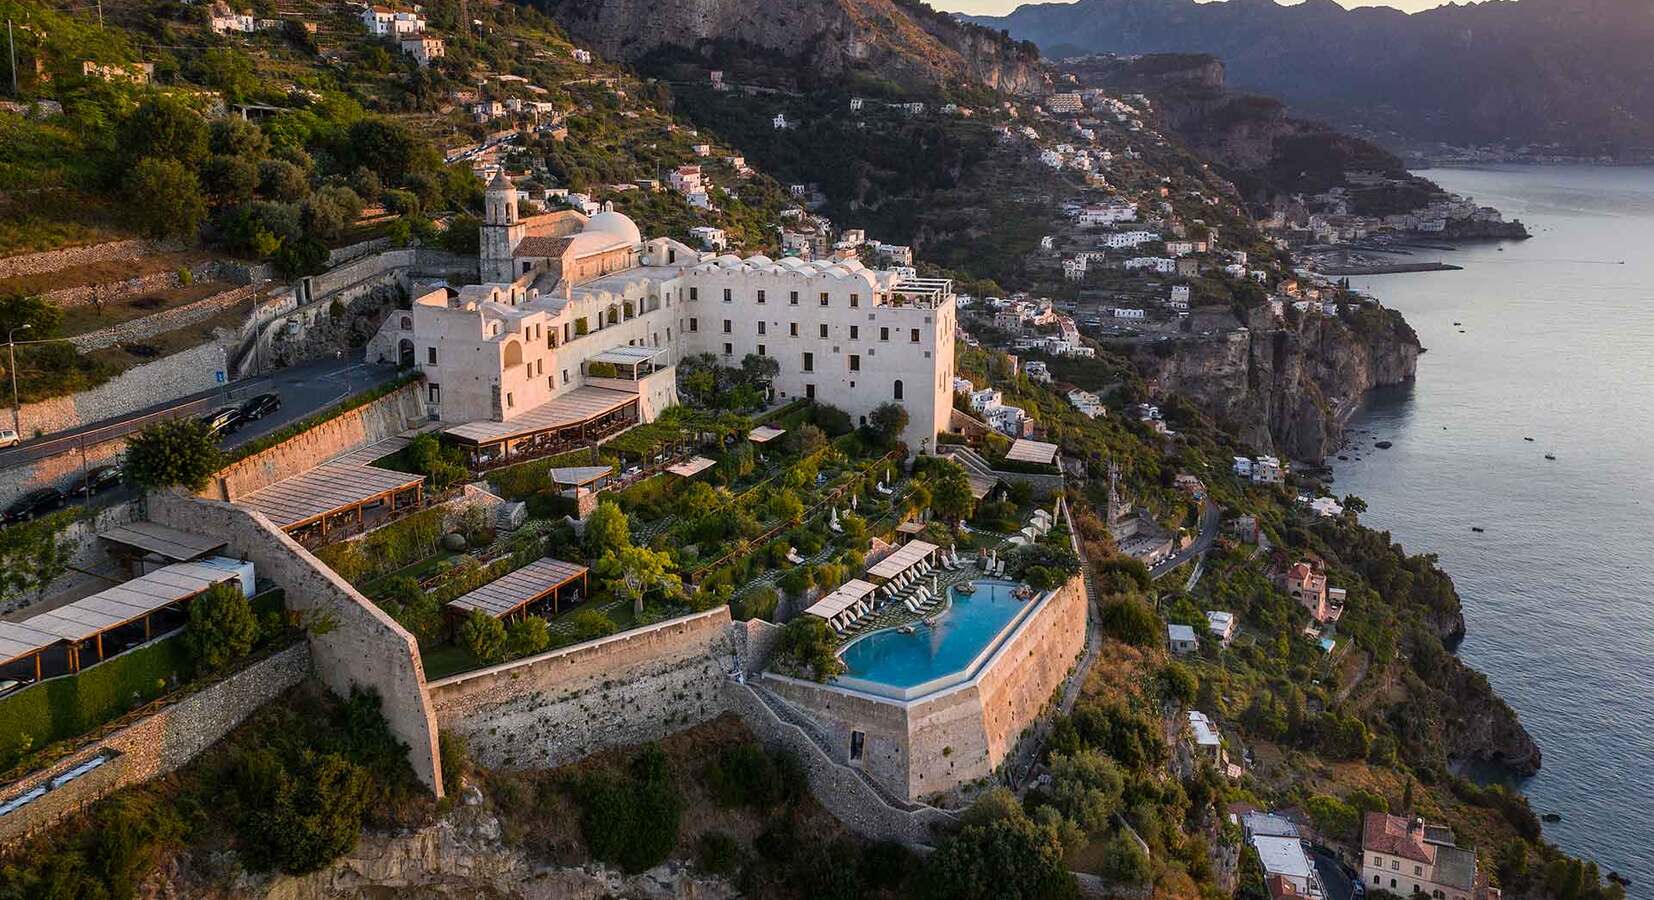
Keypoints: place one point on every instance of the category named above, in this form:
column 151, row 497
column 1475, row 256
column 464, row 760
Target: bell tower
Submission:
column 502, row 230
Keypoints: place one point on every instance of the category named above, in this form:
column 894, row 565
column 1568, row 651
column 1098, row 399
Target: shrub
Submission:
column 484, row 637
column 747, row 775
column 221, row 627
column 301, row 821
column 807, row 644
column 630, row 819
column 1132, row 621
column 175, row 453
column 527, row 636
column 717, row 853
column 589, row 624
column 455, row 753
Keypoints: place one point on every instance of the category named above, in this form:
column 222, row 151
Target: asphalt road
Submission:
column 303, row 390
column 1337, row 882
column 1210, row 516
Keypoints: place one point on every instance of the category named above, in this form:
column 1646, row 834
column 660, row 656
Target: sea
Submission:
column 1543, row 346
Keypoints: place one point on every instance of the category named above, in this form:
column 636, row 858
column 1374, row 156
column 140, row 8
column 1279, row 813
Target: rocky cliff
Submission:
column 1289, row 386
column 897, row 41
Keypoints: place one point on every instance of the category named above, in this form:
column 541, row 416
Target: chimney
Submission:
column 1416, row 825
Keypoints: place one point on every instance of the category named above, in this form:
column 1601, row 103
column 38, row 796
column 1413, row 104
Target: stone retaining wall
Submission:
column 162, row 322
column 138, row 388
column 110, row 291
column 834, row 785
column 561, row 706
column 155, row 744
column 53, row 260
column 353, row 643
column 383, row 418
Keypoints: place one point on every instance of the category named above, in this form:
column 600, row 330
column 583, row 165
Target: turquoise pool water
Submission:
column 958, row 638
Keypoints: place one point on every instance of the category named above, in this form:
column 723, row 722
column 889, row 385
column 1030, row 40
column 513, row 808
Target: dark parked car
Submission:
column 98, row 480
column 260, row 406
column 223, row 420
column 32, row 504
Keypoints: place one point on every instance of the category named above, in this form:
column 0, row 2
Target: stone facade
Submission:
column 138, row 388
column 933, row 743
column 155, row 744
column 352, row 641
column 560, row 706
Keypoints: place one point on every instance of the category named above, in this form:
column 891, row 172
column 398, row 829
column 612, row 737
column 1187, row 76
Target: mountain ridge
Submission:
column 1569, row 73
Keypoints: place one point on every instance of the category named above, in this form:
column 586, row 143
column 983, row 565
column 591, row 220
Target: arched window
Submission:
column 407, row 323
column 513, row 354
column 898, row 389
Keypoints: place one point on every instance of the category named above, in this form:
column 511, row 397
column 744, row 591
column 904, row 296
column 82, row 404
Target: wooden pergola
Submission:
column 510, row 596
column 332, row 491
column 577, row 417
column 81, row 625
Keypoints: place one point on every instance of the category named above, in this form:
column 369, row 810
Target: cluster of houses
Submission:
column 1329, row 217
column 1260, row 469
column 405, row 27
column 989, row 404
column 1399, row 855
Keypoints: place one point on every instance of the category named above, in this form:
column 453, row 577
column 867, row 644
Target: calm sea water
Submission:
column 1557, row 344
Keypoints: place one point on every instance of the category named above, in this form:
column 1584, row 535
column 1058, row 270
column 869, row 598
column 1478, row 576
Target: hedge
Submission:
column 72, row 705
column 392, row 547
column 524, row 480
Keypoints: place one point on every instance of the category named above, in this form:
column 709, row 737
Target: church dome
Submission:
column 618, row 225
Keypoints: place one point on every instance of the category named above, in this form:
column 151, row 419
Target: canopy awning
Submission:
column 763, row 434
column 1040, row 452
column 906, row 557
column 509, row 593
column 579, row 476
column 110, row 608
column 573, row 408
column 627, row 356
column 329, row 488
column 691, row 467
column 167, row 543
column 849, row 594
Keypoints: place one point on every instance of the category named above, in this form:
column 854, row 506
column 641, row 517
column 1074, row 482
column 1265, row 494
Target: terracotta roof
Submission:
column 1384, row 833
column 549, row 247
column 1282, row 889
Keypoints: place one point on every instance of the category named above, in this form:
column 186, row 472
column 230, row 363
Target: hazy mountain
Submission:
column 1578, row 73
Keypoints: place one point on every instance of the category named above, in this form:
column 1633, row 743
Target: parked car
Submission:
column 34, row 503
column 223, row 420
column 97, row 480
column 9, row 438
column 258, row 407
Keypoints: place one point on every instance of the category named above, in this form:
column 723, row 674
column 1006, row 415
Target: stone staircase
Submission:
column 786, row 713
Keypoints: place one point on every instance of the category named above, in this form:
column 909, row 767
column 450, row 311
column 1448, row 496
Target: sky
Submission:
column 1000, row 7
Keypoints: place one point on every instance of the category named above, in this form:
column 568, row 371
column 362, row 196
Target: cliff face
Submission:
column 897, row 41
column 1289, row 387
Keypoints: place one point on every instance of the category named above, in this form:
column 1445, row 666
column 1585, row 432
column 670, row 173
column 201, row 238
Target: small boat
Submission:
column 1550, row 456
column 1477, row 528
column 1528, row 439
column 1384, row 445
column 1457, row 324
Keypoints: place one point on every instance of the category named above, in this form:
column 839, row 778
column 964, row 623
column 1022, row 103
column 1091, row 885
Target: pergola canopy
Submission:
column 763, row 434
column 508, row 594
column 576, row 407
column 579, row 476
column 167, row 543
column 692, row 466
column 848, row 595
column 1025, row 450
column 906, row 557
column 332, row 487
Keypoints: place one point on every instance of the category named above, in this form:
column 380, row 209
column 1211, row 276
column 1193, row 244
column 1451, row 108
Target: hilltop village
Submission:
column 487, row 478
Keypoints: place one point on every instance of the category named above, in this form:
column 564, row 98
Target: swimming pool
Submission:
column 893, row 664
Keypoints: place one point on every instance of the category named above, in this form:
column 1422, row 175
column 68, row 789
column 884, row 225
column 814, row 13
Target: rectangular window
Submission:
column 729, row 349
column 855, row 300
column 1418, row 870
column 760, row 326
column 727, row 296
column 914, row 332
column 824, row 330
column 694, row 293
column 792, row 298
column 565, row 376
column 858, row 744
column 761, row 350
column 728, row 325
column 794, row 329
column 430, row 356
column 809, row 362
column 694, row 325
column 884, row 334
column 855, row 362
column 760, row 296
column 1395, row 865
column 436, row 393
column 510, row 402
column 855, row 332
